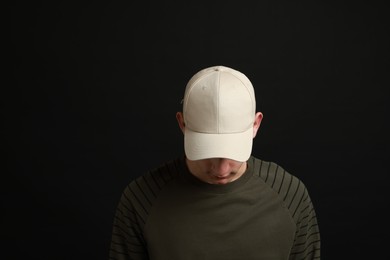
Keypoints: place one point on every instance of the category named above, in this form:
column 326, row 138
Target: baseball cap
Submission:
column 219, row 109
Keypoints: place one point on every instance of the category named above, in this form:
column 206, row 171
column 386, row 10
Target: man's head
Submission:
column 219, row 118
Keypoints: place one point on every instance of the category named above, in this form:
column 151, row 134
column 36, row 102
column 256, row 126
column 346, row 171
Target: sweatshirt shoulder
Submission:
column 139, row 195
column 289, row 188
column 154, row 180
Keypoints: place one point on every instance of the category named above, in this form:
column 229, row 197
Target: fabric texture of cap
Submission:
column 219, row 109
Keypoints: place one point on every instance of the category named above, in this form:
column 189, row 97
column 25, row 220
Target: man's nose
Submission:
column 222, row 165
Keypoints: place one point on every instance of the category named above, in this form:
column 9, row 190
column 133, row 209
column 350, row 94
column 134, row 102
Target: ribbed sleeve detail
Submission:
column 132, row 212
column 297, row 200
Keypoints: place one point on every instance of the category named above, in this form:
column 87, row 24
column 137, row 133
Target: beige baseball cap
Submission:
column 219, row 108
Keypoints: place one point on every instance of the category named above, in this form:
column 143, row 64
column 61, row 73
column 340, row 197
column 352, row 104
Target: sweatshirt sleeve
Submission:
column 127, row 242
column 307, row 237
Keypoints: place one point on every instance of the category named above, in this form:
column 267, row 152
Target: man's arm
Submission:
column 127, row 242
column 307, row 237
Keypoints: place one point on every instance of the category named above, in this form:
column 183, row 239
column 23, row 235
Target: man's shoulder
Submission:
column 277, row 177
column 288, row 187
column 143, row 189
column 159, row 176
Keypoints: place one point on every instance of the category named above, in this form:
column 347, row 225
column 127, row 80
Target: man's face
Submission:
column 216, row 170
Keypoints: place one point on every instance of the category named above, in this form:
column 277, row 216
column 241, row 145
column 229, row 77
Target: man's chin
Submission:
column 221, row 181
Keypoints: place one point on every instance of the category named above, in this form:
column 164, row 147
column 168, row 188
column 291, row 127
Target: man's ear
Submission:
column 256, row 124
column 180, row 121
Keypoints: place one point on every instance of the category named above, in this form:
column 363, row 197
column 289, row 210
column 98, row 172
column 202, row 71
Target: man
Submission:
column 217, row 201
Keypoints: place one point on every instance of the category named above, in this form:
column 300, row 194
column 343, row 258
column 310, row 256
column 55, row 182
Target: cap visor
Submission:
column 237, row 146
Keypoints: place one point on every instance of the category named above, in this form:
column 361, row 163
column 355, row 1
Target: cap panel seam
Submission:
column 218, row 101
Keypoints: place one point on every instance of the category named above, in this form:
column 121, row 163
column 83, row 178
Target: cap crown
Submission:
column 219, row 100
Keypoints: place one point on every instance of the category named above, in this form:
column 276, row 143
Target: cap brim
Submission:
column 237, row 146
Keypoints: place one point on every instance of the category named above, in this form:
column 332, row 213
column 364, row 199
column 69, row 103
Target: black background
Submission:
column 91, row 90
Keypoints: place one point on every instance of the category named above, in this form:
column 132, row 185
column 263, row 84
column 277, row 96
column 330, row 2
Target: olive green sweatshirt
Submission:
column 168, row 214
